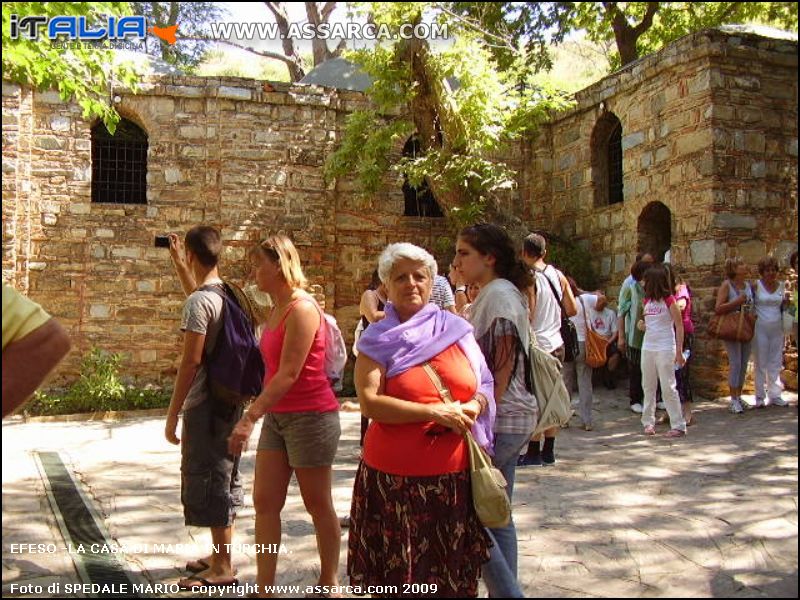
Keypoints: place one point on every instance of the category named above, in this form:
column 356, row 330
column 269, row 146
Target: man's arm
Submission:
column 190, row 363
column 179, row 261
column 570, row 305
column 28, row 361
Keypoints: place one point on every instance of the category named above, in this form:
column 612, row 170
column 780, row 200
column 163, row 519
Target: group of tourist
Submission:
column 411, row 519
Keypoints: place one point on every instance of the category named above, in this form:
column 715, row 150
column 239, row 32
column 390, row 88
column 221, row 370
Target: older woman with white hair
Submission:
column 412, row 517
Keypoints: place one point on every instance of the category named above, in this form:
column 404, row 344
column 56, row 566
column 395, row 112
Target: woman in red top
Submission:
column 301, row 428
column 412, row 519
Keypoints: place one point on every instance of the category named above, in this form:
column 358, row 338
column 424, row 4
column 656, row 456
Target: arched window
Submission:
column 655, row 230
column 119, row 164
column 419, row 200
column 607, row 160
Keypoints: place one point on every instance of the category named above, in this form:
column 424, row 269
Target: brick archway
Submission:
column 655, row 230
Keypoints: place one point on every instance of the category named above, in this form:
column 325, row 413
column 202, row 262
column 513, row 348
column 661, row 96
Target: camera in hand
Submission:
column 162, row 241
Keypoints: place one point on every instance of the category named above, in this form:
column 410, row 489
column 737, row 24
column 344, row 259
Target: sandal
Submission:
column 197, row 566
column 195, row 582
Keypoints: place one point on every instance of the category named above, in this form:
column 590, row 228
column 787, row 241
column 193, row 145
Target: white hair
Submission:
column 394, row 252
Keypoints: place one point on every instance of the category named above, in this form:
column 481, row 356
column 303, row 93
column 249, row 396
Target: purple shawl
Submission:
column 397, row 346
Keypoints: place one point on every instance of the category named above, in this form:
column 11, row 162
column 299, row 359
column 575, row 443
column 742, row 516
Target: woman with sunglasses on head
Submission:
column 300, row 431
column 769, row 300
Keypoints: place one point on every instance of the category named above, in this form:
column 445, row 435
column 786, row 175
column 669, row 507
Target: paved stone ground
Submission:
column 714, row 514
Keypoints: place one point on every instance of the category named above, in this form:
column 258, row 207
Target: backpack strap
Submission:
column 553, row 288
column 585, row 318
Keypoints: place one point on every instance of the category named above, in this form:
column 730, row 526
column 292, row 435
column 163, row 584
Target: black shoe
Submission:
column 548, row 457
column 526, row 460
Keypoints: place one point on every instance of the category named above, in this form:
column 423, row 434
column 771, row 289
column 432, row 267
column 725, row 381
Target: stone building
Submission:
column 692, row 150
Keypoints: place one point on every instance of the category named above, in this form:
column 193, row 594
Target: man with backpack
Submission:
column 551, row 303
column 210, row 488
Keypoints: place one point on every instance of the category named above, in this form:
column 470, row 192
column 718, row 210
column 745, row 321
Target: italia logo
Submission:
column 76, row 28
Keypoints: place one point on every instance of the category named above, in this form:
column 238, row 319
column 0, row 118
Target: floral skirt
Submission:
column 415, row 530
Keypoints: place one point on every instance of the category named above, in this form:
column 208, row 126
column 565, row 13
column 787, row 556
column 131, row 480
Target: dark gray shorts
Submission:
column 210, row 487
column 309, row 439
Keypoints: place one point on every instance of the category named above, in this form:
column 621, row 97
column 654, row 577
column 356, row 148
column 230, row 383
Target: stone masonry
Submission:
column 709, row 138
column 709, row 132
column 225, row 152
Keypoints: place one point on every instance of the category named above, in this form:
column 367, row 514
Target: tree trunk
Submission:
column 439, row 127
column 296, row 70
column 627, row 35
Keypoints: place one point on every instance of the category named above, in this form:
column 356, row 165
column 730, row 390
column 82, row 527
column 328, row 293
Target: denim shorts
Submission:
column 309, row 439
column 210, row 487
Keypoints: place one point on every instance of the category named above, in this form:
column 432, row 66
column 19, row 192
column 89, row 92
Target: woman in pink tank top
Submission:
column 300, row 432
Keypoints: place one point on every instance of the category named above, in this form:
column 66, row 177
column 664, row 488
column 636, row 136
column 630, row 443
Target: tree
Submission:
column 459, row 104
column 83, row 73
column 191, row 18
column 637, row 28
column 318, row 13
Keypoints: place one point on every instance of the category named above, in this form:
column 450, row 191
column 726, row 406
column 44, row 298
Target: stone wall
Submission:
column 709, row 132
column 228, row 152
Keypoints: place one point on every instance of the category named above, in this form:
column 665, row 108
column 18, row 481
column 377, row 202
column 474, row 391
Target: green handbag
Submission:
column 488, row 484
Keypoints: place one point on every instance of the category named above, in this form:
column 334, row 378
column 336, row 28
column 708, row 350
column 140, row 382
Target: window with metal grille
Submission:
column 119, row 164
column 419, row 201
column 607, row 160
column 615, row 165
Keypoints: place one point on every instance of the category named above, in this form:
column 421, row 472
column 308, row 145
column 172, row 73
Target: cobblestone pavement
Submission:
column 619, row 515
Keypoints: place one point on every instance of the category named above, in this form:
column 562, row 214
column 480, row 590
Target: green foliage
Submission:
column 529, row 28
column 83, row 74
column 572, row 259
column 98, row 388
column 478, row 106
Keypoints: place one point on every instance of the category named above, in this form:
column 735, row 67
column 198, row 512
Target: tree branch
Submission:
column 327, row 10
column 647, row 21
column 506, row 43
column 289, row 60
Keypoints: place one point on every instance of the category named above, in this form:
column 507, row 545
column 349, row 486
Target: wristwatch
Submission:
column 461, row 288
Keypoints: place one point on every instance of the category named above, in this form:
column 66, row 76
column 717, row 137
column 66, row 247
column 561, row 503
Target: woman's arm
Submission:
column 722, row 306
column 370, row 380
column 301, row 327
column 677, row 320
column 504, row 354
column 369, row 306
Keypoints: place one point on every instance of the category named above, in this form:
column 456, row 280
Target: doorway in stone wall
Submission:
column 655, row 230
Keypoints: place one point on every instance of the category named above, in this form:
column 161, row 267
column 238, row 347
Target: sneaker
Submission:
column 587, row 427
column 779, row 401
column 759, row 403
column 661, row 406
column 637, row 408
column 736, row 406
column 526, row 460
column 675, row 433
column 650, row 430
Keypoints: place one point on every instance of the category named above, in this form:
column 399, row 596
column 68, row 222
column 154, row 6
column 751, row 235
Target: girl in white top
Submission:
column 661, row 351
column 768, row 300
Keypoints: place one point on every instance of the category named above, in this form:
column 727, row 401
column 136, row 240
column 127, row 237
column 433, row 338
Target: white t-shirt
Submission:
column 590, row 302
column 546, row 321
column 768, row 306
column 603, row 322
column 659, row 332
